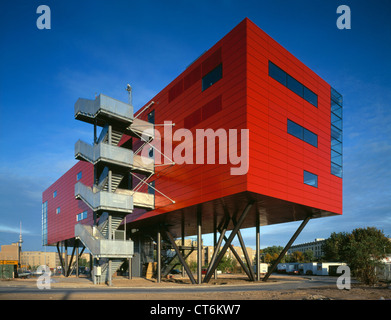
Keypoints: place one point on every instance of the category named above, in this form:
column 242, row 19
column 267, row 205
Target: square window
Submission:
column 310, row 179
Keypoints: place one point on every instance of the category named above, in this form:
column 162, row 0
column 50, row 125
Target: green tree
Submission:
column 298, row 256
column 362, row 250
column 308, row 256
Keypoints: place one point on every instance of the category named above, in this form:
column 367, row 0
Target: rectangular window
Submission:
column 81, row 216
column 302, row 133
column 151, row 187
column 310, row 179
column 151, row 117
column 277, row 73
column 336, row 133
column 78, row 176
column 58, row 210
column 55, row 194
column 212, row 77
column 292, row 84
column 295, row 86
column 310, row 96
column 310, row 137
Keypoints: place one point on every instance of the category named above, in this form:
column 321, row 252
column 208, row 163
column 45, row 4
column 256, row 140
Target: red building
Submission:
column 249, row 136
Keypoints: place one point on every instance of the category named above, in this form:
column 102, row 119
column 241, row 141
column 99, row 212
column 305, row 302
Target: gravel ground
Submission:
column 73, row 288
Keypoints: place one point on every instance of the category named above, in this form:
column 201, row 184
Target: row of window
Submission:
column 292, row 84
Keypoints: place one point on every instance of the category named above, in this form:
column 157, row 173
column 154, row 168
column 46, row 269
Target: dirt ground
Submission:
column 381, row 291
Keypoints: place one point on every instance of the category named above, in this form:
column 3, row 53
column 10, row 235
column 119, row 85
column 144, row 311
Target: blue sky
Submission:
column 100, row 46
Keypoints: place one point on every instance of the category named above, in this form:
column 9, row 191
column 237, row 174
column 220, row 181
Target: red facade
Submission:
column 245, row 97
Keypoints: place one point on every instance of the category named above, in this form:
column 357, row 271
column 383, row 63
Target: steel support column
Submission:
column 110, row 273
column 60, row 256
column 70, row 262
column 159, row 256
column 199, row 245
column 181, row 259
column 284, row 251
column 257, row 245
column 216, row 251
column 229, row 240
column 247, row 258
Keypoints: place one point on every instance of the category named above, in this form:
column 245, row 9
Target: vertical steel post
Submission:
column 66, row 258
column 130, row 268
column 214, row 240
column 258, row 276
column 283, row 252
column 77, row 258
column 183, row 240
column 199, row 245
column 110, row 273
column 158, row 256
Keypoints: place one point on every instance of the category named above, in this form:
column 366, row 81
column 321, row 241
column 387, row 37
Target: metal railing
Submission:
column 104, row 105
column 104, row 200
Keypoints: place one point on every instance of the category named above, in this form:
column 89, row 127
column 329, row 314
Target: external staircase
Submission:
column 111, row 197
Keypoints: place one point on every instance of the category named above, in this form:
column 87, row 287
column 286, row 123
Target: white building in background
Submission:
column 315, row 246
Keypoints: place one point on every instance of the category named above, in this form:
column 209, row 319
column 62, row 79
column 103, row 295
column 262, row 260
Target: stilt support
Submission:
column 283, row 252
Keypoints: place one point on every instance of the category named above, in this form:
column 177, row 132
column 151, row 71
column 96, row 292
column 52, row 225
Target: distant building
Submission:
column 51, row 259
column 314, row 246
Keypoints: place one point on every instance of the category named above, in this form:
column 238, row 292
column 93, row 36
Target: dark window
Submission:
column 55, row 194
column 151, row 117
column 295, row 130
column 302, row 133
column 151, row 187
column 212, row 77
column 276, row 73
column 78, row 176
column 310, row 97
column 310, row 179
column 310, row 137
column 294, row 85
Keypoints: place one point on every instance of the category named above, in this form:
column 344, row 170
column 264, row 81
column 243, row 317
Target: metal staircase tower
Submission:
column 111, row 197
